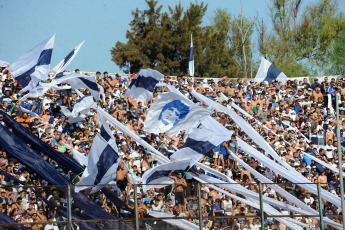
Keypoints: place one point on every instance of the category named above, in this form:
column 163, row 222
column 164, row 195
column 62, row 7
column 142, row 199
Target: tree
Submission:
column 300, row 41
column 160, row 40
column 338, row 56
column 241, row 32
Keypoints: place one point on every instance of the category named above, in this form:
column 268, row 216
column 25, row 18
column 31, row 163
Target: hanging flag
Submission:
column 101, row 167
column 67, row 60
column 158, row 176
column 106, row 132
column 171, row 113
column 33, row 66
column 79, row 81
column 269, row 72
column 143, row 85
column 191, row 58
column 208, row 135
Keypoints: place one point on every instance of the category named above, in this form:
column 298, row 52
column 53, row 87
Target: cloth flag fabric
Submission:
column 106, row 132
column 158, row 176
column 102, row 165
column 143, row 85
column 79, row 81
column 269, row 72
column 79, row 109
column 80, row 157
column 67, row 60
column 33, row 66
column 171, row 113
column 191, row 58
column 202, row 139
column 61, row 74
column 39, row 90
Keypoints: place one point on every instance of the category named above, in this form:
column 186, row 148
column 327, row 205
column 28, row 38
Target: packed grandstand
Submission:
column 296, row 118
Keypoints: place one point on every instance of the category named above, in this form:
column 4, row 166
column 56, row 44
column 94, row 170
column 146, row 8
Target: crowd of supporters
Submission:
column 294, row 117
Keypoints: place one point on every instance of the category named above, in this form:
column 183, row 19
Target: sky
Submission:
column 100, row 23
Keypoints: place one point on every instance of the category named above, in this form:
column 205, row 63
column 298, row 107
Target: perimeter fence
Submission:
column 256, row 206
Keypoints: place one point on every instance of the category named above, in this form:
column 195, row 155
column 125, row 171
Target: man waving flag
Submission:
column 33, row 66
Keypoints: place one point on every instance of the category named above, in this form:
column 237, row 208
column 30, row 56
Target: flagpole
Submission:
column 340, row 161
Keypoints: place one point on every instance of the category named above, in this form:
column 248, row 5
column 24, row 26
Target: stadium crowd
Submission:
column 295, row 113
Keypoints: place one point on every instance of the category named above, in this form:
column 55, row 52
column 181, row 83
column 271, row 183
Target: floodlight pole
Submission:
column 340, row 161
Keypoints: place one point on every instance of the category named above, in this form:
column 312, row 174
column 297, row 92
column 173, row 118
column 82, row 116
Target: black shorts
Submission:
column 179, row 198
column 122, row 184
column 66, row 92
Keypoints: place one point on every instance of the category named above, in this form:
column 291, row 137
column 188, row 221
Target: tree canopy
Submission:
column 302, row 40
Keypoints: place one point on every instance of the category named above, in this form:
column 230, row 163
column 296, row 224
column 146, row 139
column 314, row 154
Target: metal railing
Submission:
column 138, row 213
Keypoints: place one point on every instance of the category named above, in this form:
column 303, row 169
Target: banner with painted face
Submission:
column 172, row 113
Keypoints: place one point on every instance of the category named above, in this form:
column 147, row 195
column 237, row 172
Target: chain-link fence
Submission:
column 196, row 206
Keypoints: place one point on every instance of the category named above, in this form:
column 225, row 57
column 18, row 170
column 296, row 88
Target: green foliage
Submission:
column 161, row 40
column 338, row 56
column 301, row 44
column 302, row 40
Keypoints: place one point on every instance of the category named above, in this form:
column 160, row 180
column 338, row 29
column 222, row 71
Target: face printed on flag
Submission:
column 173, row 112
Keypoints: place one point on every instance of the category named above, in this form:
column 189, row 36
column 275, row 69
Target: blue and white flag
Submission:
column 33, row 66
column 143, row 85
column 171, row 113
column 67, row 60
column 191, row 58
column 106, row 132
column 158, row 176
column 80, row 81
column 102, row 165
column 79, row 110
column 208, row 135
column 61, row 74
column 269, row 72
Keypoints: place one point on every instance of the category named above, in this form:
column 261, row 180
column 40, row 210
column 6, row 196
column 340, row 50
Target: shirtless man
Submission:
column 180, row 185
column 122, row 179
column 323, row 180
column 316, row 95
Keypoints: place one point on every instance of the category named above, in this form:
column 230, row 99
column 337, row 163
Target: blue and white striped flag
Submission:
column 67, row 60
column 61, row 74
column 143, row 85
column 159, row 176
column 33, row 66
column 80, row 81
column 106, row 132
column 201, row 140
column 191, row 58
column 269, row 72
column 171, row 113
column 102, row 165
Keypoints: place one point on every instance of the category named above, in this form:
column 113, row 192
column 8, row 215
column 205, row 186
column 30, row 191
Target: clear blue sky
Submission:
column 101, row 23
